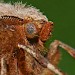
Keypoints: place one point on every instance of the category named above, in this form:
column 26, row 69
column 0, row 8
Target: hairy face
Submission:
column 38, row 28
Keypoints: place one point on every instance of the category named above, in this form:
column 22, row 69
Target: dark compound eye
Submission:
column 30, row 28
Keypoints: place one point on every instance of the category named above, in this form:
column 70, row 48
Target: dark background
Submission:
column 62, row 13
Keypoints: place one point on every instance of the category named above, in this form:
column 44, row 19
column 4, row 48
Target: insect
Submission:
column 23, row 32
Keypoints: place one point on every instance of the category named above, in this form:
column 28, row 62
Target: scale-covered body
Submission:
column 27, row 26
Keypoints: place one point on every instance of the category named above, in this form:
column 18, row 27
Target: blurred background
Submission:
column 62, row 13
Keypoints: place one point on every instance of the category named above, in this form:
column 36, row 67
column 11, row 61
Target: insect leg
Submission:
column 3, row 66
column 41, row 59
column 12, row 66
column 54, row 47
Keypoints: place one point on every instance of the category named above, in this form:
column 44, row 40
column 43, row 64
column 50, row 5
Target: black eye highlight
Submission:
column 30, row 28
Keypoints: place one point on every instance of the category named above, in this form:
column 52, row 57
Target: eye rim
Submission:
column 34, row 33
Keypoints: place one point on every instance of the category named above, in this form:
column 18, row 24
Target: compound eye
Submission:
column 30, row 30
